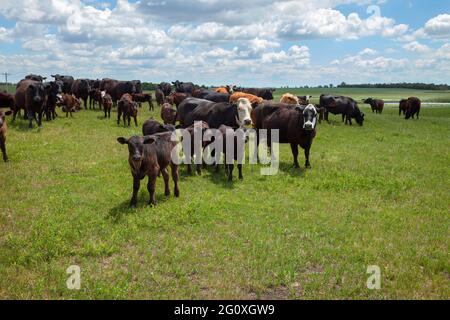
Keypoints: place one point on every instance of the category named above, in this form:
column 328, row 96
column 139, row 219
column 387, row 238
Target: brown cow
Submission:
column 176, row 98
column 377, row 105
column 6, row 100
column 289, row 98
column 107, row 104
column 254, row 100
column 413, row 105
column 128, row 108
column 148, row 156
column 159, row 96
column 168, row 115
column 3, row 132
column 70, row 104
column 144, row 97
column 30, row 96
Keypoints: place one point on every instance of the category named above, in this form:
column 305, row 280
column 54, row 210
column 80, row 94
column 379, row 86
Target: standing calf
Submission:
column 107, row 104
column 128, row 108
column 144, row 97
column 3, row 131
column 148, row 156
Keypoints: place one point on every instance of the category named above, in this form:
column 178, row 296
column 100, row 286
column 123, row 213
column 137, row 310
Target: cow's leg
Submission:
column 326, row 115
column 136, row 186
column 119, row 114
column 151, row 187
column 294, row 148
column 40, row 119
column 106, row 113
column 3, row 148
column 174, row 170
column 343, row 117
column 241, row 177
column 135, row 121
column 307, row 149
column 165, row 175
column 230, row 171
column 30, row 119
column 418, row 114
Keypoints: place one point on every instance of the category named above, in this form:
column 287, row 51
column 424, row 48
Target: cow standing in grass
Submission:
column 127, row 108
column 3, row 132
column 377, row 105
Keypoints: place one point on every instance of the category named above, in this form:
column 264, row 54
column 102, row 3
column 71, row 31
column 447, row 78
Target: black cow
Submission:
column 342, row 105
column 296, row 125
column 53, row 90
column 217, row 97
column 30, row 96
column 35, row 77
column 67, row 82
column 214, row 114
column 148, row 156
column 413, row 105
column 122, row 88
column 266, row 94
column 165, row 87
column 80, row 89
column 184, row 87
column 152, row 126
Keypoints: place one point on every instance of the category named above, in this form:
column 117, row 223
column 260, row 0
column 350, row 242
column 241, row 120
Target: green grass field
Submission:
column 376, row 195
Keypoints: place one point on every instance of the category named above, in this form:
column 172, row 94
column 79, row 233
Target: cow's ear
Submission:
column 149, row 139
column 122, row 140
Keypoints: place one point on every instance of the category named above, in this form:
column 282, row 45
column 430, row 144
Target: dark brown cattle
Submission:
column 152, row 126
column 109, row 85
column 168, row 115
column 165, row 87
column 200, row 127
column 128, row 108
column 3, row 132
column 30, row 96
column 35, row 77
column 402, row 107
column 296, row 125
column 238, row 138
column 107, row 104
column 80, row 89
column 53, row 91
column 176, row 98
column 95, row 97
column 6, row 100
column 377, row 105
column 266, row 94
column 148, row 156
column 70, row 104
column 67, row 82
column 413, row 105
column 144, row 97
column 159, row 95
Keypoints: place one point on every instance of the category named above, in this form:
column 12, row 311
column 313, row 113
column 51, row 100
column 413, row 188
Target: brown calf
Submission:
column 148, row 156
column 70, row 104
column 3, row 131
column 107, row 104
column 144, row 97
column 128, row 108
column 168, row 114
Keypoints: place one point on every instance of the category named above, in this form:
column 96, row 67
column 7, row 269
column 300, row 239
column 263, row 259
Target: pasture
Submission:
column 376, row 195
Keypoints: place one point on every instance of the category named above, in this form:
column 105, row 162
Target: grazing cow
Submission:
column 107, row 104
column 215, row 114
column 184, row 87
column 254, row 100
column 377, row 105
column 30, row 96
column 128, row 108
column 296, row 125
column 144, row 97
column 148, row 156
column 95, row 97
column 70, row 104
column 152, row 126
column 53, row 91
column 238, row 138
column 304, row 100
column 176, row 98
column 6, row 100
column 402, row 107
column 413, row 105
column 342, row 105
column 266, row 94
column 35, row 77
column 80, row 89
column 165, row 87
column 168, row 115
column 289, row 98
column 217, row 97
column 67, row 82
column 159, row 96
column 3, row 132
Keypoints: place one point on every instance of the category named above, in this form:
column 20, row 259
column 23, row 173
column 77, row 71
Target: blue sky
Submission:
column 251, row 43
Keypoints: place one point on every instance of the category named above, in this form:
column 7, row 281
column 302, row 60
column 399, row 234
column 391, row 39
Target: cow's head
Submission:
column 136, row 147
column 36, row 92
column 267, row 94
column 231, row 88
column 309, row 117
column 367, row 101
column 3, row 115
column 244, row 109
column 359, row 117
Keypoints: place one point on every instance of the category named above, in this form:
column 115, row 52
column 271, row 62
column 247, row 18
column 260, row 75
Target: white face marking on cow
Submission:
column 103, row 93
column 244, row 108
column 310, row 124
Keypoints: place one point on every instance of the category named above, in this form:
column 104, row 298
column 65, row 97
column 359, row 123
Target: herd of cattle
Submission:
column 227, row 109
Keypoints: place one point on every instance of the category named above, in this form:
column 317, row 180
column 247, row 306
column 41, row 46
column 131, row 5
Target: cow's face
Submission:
column 3, row 115
column 368, row 101
column 309, row 117
column 231, row 88
column 244, row 109
column 36, row 92
column 359, row 118
column 136, row 146
column 268, row 94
